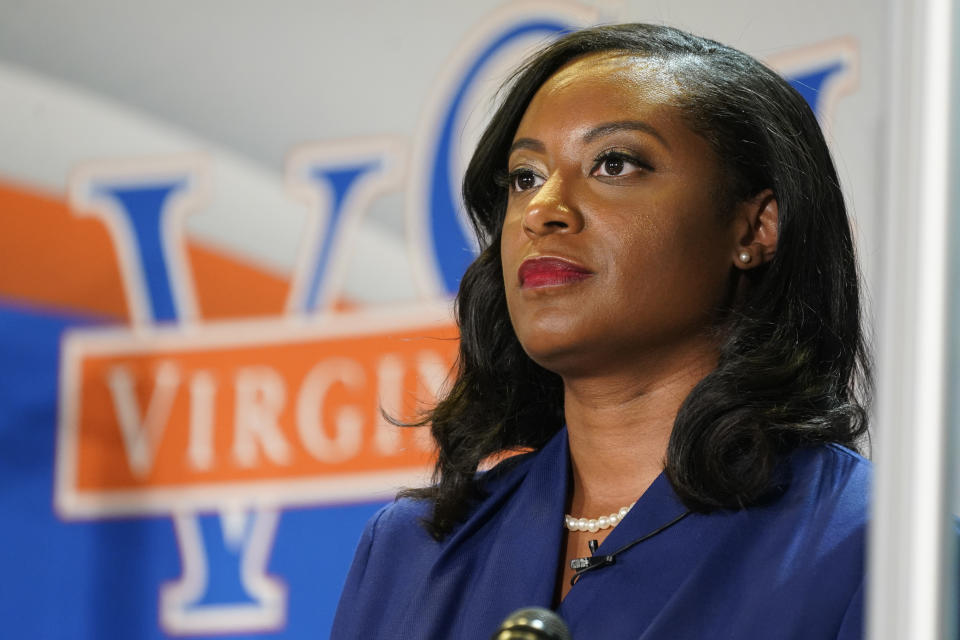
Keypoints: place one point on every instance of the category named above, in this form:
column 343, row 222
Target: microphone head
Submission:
column 532, row 623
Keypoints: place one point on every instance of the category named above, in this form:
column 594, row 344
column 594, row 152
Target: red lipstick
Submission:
column 550, row 272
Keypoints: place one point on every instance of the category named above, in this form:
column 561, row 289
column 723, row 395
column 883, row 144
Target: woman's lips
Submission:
column 550, row 272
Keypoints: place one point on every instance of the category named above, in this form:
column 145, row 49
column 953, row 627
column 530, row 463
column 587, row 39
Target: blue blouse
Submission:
column 791, row 569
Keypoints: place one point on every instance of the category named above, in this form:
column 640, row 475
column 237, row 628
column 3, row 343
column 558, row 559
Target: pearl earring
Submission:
column 745, row 257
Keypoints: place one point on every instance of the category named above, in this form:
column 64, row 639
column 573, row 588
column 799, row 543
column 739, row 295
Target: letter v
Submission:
column 338, row 181
column 142, row 432
column 143, row 204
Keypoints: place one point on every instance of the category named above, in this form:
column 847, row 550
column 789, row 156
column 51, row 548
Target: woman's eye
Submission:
column 615, row 164
column 524, row 179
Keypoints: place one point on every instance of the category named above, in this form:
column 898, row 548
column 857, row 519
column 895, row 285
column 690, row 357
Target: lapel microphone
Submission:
column 591, row 562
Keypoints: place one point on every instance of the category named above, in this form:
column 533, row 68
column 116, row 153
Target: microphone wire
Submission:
column 589, row 563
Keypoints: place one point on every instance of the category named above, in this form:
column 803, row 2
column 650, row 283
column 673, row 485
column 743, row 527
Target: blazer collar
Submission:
column 508, row 553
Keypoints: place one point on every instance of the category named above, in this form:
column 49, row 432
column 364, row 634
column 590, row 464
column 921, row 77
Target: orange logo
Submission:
column 257, row 413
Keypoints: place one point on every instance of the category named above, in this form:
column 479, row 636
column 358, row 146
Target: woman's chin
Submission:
column 561, row 356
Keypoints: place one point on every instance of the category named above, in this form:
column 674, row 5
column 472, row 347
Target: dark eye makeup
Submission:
column 612, row 161
column 615, row 161
column 520, row 179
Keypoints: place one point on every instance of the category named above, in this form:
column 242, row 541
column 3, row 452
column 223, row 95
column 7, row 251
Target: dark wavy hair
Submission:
column 793, row 368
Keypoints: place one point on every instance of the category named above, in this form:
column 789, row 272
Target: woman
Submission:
column 665, row 312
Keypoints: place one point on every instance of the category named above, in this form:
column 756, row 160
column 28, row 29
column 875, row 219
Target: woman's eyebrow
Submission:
column 624, row 125
column 526, row 143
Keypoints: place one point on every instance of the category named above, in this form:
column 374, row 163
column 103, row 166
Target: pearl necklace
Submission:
column 595, row 524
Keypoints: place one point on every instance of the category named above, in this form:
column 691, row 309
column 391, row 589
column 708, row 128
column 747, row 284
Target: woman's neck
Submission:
column 619, row 427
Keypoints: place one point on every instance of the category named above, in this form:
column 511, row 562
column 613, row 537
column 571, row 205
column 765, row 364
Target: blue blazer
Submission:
column 791, row 569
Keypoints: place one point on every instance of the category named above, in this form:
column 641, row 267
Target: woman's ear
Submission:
column 757, row 227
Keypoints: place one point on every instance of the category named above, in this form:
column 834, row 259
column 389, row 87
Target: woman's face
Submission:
column 615, row 251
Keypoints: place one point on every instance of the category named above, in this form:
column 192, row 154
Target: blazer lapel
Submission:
column 506, row 555
column 657, row 507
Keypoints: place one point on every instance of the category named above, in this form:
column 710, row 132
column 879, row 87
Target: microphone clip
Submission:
column 589, row 563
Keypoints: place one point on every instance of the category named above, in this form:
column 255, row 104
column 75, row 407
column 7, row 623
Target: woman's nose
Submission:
column 552, row 210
